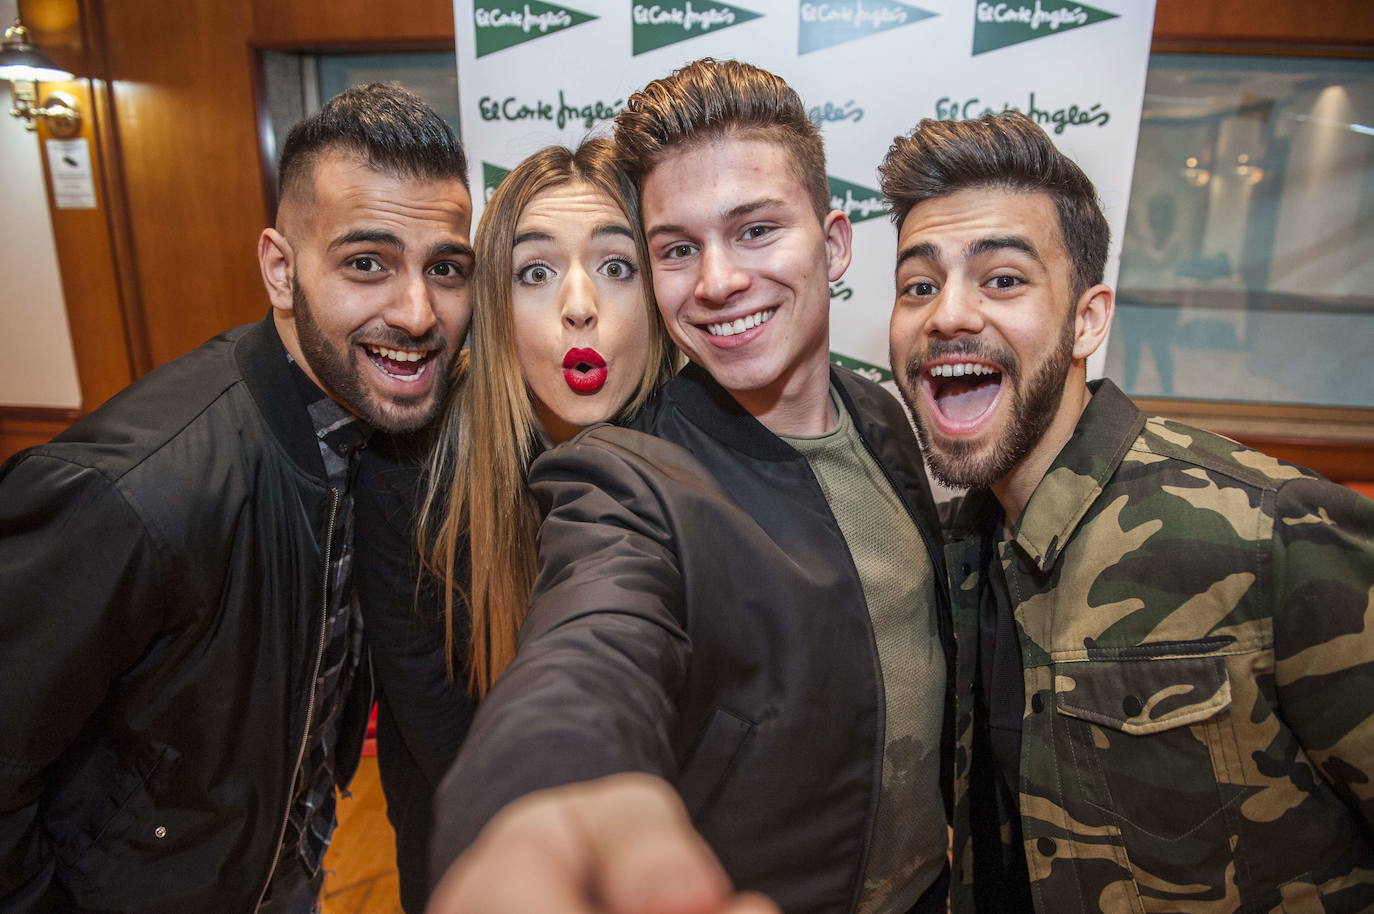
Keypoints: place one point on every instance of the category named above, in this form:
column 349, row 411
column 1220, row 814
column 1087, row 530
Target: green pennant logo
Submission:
column 874, row 373
column 657, row 25
column 999, row 25
column 504, row 23
column 856, row 201
column 826, row 24
column 492, row 176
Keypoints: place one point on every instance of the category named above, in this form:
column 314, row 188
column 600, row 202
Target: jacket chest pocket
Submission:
column 1153, row 748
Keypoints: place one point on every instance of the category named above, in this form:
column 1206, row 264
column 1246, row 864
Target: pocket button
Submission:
column 1046, row 846
column 1037, row 703
column 1131, row 705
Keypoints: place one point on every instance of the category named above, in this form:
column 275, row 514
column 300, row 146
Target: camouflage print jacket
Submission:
column 1196, row 623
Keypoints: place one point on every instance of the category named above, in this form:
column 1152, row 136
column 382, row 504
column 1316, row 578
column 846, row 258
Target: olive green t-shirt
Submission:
column 909, row 835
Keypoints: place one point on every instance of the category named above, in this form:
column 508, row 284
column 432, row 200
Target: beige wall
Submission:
column 37, row 365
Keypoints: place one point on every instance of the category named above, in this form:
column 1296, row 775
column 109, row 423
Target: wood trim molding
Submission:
column 25, row 426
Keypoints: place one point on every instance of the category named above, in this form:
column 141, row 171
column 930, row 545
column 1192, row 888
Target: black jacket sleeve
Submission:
column 602, row 653
column 81, row 600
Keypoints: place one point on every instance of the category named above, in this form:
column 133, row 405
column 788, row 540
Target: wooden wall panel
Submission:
column 1333, row 22
column 181, row 78
column 299, row 23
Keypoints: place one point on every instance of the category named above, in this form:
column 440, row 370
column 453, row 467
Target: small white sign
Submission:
column 69, row 163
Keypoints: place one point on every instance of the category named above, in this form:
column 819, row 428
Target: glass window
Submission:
column 1247, row 268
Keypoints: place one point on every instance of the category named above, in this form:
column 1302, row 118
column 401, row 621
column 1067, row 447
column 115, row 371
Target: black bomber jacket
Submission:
column 698, row 617
column 161, row 610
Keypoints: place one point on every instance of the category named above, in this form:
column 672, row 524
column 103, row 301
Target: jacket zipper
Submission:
column 310, row 704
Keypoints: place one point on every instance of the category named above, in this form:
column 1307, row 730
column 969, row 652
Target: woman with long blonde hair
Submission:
column 565, row 333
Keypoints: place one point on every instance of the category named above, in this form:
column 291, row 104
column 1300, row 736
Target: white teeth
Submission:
column 959, row 370
column 397, row 355
column 741, row 324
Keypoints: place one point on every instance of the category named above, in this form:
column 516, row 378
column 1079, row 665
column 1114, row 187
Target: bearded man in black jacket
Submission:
column 183, row 685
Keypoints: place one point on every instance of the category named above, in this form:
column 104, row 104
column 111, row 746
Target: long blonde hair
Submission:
column 476, row 477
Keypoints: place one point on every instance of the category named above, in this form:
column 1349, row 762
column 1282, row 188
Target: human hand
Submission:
column 619, row 845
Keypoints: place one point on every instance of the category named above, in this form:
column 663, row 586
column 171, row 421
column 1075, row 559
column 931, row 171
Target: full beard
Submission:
column 963, row 464
column 342, row 377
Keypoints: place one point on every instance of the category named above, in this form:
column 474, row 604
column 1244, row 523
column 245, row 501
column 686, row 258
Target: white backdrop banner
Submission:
column 532, row 73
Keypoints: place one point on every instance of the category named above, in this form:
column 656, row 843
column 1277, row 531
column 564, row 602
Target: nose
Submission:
column 956, row 311
column 413, row 312
column 720, row 276
column 577, row 301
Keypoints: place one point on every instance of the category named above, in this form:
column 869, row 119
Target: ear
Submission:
column 839, row 235
column 277, row 262
column 1094, row 316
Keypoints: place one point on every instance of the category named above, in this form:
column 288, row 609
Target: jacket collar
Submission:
column 711, row 408
column 1105, row 432
column 262, row 362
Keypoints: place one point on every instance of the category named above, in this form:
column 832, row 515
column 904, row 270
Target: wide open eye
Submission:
column 619, row 268
column 535, row 274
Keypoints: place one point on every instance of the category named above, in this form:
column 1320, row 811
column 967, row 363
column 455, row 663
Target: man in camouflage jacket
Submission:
column 1165, row 641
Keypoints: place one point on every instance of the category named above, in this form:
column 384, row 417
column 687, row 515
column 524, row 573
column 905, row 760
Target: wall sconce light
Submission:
column 25, row 67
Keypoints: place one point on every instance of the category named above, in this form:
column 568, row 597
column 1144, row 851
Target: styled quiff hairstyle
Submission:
column 709, row 99
column 476, row 500
column 391, row 129
column 1005, row 151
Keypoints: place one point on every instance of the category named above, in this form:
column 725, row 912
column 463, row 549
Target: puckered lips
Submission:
column 738, row 331
column 584, row 370
column 961, row 393
column 405, row 365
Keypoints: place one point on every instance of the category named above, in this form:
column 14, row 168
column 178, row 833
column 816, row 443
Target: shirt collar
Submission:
column 1105, row 432
column 337, row 429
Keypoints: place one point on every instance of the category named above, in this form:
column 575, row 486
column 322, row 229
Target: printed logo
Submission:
column 829, row 113
column 948, row 109
column 505, row 24
column 874, row 373
column 656, row 25
column 1000, row 25
column 856, row 201
column 826, row 24
column 492, row 176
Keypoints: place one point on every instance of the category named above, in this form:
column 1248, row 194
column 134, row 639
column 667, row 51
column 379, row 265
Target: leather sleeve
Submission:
column 81, row 601
column 602, row 653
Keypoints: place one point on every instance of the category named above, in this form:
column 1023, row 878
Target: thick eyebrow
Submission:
column 368, row 236
column 1002, row 243
column 923, row 251
column 612, row 228
column 731, row 214
column 451, row 249
column 530, row 236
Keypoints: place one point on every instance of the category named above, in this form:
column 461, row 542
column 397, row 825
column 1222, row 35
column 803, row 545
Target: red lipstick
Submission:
column 584, row 370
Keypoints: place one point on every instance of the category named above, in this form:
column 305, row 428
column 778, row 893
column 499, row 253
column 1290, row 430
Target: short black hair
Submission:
column 392, row 129
column 1007, row 151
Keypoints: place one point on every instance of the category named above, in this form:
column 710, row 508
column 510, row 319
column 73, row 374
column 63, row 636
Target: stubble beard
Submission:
column 342, row 378
column 964, row 464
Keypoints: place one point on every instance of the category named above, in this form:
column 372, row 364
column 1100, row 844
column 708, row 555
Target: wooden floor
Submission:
column 360, row 868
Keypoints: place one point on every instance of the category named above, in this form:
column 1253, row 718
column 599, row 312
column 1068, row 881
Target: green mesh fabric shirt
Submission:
column 908, row 847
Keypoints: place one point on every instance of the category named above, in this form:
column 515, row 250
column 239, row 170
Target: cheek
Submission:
column 536, row 330
column 625, row 325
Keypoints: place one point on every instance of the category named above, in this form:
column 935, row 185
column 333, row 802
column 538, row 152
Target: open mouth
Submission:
column 584, row 370
column 741, row 324
column 401, row 364
column 962, row 394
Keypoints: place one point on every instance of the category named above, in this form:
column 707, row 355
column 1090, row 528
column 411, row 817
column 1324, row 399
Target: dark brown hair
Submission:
column 1008, row 151
column 709, row 99
column 390, row 128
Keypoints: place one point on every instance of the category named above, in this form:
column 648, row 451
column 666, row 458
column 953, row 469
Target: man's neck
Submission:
column 800, row 405
column 1014, row 490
